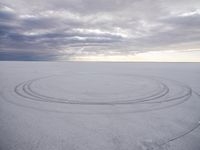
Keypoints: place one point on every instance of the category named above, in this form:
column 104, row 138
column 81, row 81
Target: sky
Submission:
column 100, row 30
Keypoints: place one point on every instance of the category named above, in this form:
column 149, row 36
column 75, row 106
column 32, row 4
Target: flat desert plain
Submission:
column 99, row 106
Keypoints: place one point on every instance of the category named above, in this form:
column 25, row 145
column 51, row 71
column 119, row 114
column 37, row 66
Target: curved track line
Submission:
column 152, row 103
column 186, row 132
column 27, row 92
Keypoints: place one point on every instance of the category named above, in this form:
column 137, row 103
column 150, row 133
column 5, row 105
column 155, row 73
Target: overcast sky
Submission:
column 67, row 29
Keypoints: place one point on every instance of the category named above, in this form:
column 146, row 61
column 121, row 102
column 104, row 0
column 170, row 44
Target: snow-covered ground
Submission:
column 99, row 106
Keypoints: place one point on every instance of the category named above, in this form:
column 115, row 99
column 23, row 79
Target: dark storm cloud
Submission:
column 75, row 27
column 6, row 13
column 46, row 33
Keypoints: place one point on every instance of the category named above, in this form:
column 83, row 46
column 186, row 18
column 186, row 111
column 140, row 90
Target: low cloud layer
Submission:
column 49, row 29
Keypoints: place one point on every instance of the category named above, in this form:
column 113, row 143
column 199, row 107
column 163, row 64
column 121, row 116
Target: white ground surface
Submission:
column 99, row 106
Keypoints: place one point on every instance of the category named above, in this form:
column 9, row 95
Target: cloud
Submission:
column 6, row 13
column 180, row 29
column 84, row 27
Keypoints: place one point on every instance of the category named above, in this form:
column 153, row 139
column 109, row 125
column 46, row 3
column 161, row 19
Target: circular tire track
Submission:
column 167, row 94
column 25, row 90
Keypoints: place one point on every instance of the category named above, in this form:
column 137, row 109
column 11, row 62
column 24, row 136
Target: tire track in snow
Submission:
column 25, row 90
column 197, row 125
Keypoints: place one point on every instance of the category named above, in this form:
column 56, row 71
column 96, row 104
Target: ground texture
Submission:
column 99, row 106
